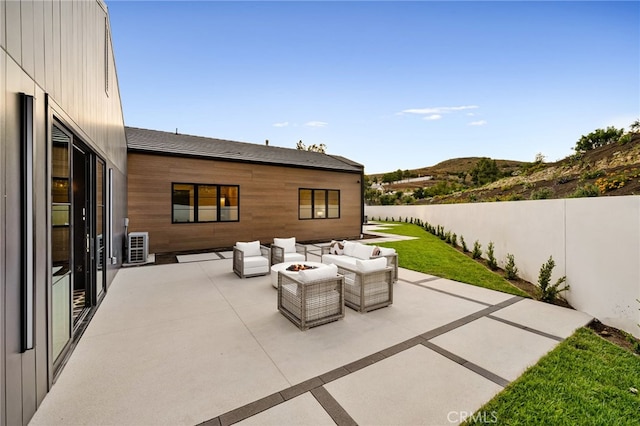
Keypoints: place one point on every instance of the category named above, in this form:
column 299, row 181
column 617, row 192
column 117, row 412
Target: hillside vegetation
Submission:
column 597, row 168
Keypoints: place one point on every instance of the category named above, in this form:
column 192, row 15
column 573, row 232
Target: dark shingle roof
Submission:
column 155, row 141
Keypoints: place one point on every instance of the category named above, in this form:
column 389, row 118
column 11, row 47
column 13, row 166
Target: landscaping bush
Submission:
column 454, row 240
column 510, row 268
column 464, row 244
column 477, row 250
column 491, row 259
column 548, row 292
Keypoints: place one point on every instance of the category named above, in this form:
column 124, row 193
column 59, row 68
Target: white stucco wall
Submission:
column 595, row 242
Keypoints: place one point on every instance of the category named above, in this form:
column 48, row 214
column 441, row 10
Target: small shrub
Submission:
column 541, row 194
column 588, row 190
column 564, row 179
column 592, row 174
column 447, row 237
column 548, row 292
column 464, row 244
column 477, row 250
column 510, row 268
column 454, row 240
column 491, row 259
column 513, row 197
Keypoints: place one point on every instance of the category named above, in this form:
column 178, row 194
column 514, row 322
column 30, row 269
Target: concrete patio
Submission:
column 188, row 343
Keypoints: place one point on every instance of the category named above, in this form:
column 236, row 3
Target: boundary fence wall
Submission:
column 595, row 242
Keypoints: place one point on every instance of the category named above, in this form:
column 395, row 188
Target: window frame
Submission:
column 196, row 206
column 326, row 206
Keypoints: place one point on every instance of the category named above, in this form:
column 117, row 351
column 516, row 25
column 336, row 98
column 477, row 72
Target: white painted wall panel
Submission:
column 28, row 51
column 14, row 32
column 603, row 258
column 3, row 26
column 595, row 242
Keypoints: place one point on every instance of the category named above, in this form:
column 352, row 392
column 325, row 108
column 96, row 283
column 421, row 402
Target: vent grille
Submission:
column 138, row 247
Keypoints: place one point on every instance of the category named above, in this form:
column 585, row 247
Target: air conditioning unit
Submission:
column 138, row 247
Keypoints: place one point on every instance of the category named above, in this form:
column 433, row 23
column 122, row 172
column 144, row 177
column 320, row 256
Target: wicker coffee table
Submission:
column 282, row 267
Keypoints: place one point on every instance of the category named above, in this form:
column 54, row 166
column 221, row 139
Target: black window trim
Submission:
column 195, row 201
column 326, row 203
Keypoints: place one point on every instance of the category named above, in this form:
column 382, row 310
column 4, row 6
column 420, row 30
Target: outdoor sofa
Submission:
column 346, row 253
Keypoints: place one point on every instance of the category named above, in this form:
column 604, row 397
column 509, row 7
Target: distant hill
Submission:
column 609, row 170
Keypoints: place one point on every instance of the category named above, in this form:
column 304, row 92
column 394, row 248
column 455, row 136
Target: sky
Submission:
column 390, row 85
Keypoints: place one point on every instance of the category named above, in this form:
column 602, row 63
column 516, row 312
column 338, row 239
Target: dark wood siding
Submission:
column 268, row 202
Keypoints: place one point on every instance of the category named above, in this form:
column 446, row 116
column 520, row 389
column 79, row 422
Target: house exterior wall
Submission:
column 595, row 243
column 268, row 202
column 54, row 51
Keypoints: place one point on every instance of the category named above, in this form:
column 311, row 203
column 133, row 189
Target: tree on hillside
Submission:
column 322, row 148
column 393, row 176
column 598, row 138
column 635, row 126
column 485, row 171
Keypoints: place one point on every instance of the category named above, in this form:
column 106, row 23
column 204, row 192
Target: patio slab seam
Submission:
column 421, row 282
column 334, row 409
column 529, row 329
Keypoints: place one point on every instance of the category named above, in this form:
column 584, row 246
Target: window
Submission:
column 318, row 204
column 192, row 203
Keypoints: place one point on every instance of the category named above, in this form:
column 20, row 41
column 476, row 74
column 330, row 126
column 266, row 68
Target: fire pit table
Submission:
column 284, row 266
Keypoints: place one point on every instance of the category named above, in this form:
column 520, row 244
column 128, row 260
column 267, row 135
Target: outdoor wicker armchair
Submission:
column 311, row 303
column 287, row 250
column 250, row 259
column 365, row 291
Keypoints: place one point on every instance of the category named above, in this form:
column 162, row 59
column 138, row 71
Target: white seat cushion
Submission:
column 371, row 265
column 250, row 249
column 308, row 275
column 288, row 244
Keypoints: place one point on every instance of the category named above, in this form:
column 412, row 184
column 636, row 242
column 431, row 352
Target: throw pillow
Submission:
column 371, row 265
column 250, row 249
column 376, row 251
column 288, row 244
column 336, row 247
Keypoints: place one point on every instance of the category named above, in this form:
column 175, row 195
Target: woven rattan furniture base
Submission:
column 366, row 291
column 309, row 304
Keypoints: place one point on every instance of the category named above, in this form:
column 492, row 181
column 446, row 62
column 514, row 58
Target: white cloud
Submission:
column 470, row 114
column 478, row 123
column 316, row 124
column 433, row 117
column 283, row 124
column 437, row 110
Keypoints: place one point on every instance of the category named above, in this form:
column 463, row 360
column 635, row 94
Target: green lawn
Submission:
column 429, row 254
column 585, row 380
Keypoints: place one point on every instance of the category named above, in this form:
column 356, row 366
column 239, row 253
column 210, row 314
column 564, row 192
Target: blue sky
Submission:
column 391, row 85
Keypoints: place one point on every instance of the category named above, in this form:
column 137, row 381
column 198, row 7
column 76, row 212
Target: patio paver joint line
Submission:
column 333, row 407
column 468, row 364
column 419, row 284
column 250, row 409
column 529, row 329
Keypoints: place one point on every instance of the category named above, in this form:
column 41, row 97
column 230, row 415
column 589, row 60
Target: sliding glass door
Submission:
column 77, row 235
